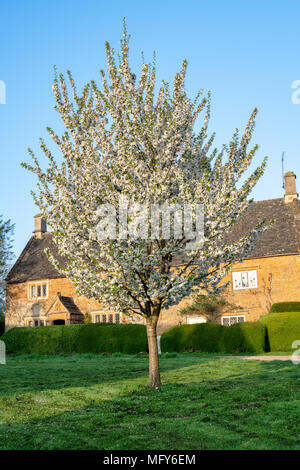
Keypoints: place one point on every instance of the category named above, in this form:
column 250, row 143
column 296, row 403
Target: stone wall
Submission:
column 278, row 280
column 20, row 307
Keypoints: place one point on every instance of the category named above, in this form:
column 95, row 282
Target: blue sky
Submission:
column 246, row 53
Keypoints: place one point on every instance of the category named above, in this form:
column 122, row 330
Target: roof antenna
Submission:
column 282, row 164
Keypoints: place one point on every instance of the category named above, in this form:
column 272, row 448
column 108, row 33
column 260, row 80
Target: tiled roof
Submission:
column 69, row 304
column 281, row 238
column 33, row 263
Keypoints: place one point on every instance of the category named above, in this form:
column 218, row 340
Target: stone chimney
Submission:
column 40, row 226
column 290, row 187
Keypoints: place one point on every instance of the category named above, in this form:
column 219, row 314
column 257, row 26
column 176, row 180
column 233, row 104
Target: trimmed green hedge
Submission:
column 81, row 338
column 203, row 337
column 285, row 307
column 244, row 337
column 127, row 339
column 42, row 340
column 212, row 337
column 282, row 330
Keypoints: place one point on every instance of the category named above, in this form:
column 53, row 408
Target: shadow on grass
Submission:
column 30, row 373
column 223, row 404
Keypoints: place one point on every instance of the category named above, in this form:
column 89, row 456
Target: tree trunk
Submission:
column 154, row 373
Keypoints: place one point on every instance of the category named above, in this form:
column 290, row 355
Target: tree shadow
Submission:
column 32, row 373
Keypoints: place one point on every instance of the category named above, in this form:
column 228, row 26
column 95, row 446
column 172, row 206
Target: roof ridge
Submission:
column 267, row 200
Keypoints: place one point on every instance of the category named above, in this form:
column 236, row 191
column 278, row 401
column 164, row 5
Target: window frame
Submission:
column 233, row 316
column 241, row 273
column 40, row 322
column 38, row 286
column 106, row 316
column 190, row 318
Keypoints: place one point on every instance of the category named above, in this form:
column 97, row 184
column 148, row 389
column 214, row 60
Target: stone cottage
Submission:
column 38, row 295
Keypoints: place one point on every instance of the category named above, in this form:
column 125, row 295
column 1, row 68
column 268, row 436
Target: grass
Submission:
column 103, row 402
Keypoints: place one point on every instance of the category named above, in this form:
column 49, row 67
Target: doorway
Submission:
column 59, row 322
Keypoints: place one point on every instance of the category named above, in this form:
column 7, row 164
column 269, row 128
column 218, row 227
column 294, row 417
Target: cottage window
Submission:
column 244, row 280
column 37, row 323
column 192, row 320
column 106, row 318
column 38, row 291
column 36, row 308
column 228, row 321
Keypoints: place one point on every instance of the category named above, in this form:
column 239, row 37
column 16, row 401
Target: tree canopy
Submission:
column 131, row 141
column 6, row 255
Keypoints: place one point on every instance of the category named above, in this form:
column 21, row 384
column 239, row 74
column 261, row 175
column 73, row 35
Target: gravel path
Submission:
column 263, row 358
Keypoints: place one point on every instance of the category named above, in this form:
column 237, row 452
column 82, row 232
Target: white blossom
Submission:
column 129, row 138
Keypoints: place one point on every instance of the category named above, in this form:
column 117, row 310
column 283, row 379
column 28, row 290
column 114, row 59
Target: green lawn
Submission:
column 103, row 402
